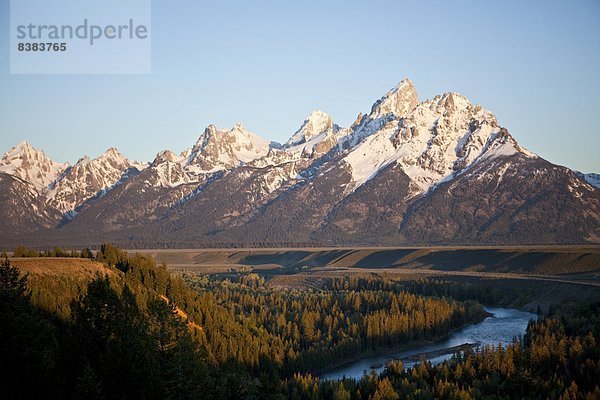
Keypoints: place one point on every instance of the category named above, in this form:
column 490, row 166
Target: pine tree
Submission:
column 385, row 391
column 28, row 346
column 341, row 393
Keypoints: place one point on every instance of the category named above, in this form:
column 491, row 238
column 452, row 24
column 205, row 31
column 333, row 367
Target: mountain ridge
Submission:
column 381, row 180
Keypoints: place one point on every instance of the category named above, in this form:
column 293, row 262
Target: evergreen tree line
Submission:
column 23, row 251
column 486, row 292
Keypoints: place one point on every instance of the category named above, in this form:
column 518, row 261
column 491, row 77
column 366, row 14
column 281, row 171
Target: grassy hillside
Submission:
column 80, row 268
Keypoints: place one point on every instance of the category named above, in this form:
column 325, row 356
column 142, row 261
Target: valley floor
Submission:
column 547, row 272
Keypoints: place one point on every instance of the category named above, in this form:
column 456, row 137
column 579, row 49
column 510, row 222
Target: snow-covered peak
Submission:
column 399, row 101
column 112, row 154
column 238, row 127
column 117, row 160
column 315, row 124
column 385, row 113
column 437, row 139
column 24, row 147
column 88, row 177
column 31, row 165
column 316, row 136
column 168, row 170
column 83, row 160
column 215, row 150
column 169, row 156
column 223, row 149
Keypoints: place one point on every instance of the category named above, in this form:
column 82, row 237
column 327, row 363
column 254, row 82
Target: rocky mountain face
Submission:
column 21, row 208
column 87, row 179
column 439, row 171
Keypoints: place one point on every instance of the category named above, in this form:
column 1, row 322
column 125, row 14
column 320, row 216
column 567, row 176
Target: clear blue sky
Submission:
column 267, row 64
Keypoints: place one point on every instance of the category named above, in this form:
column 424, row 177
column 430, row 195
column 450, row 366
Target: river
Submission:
column 501, row 327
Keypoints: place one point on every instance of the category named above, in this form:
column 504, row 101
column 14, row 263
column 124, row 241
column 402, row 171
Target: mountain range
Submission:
column 437, row 172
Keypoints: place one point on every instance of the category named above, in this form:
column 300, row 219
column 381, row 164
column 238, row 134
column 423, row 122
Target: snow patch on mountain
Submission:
column 315, row 124
column 169, row 174
column 372, row 155
column 315, row 137
column 593, row 179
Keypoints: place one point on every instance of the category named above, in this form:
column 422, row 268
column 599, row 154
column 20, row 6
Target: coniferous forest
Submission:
column 141, row 332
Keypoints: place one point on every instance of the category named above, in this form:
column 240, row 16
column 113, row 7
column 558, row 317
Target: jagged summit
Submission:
column 112, row 152
column 315, row 124
column 217, row 150
column 316, row 136
column 166, row 156
column 31, row 165
column 239, row 127
column 399, row 101
column 23, row 146
column 116, row 158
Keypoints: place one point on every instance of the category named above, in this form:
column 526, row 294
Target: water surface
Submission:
column 501, row 327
